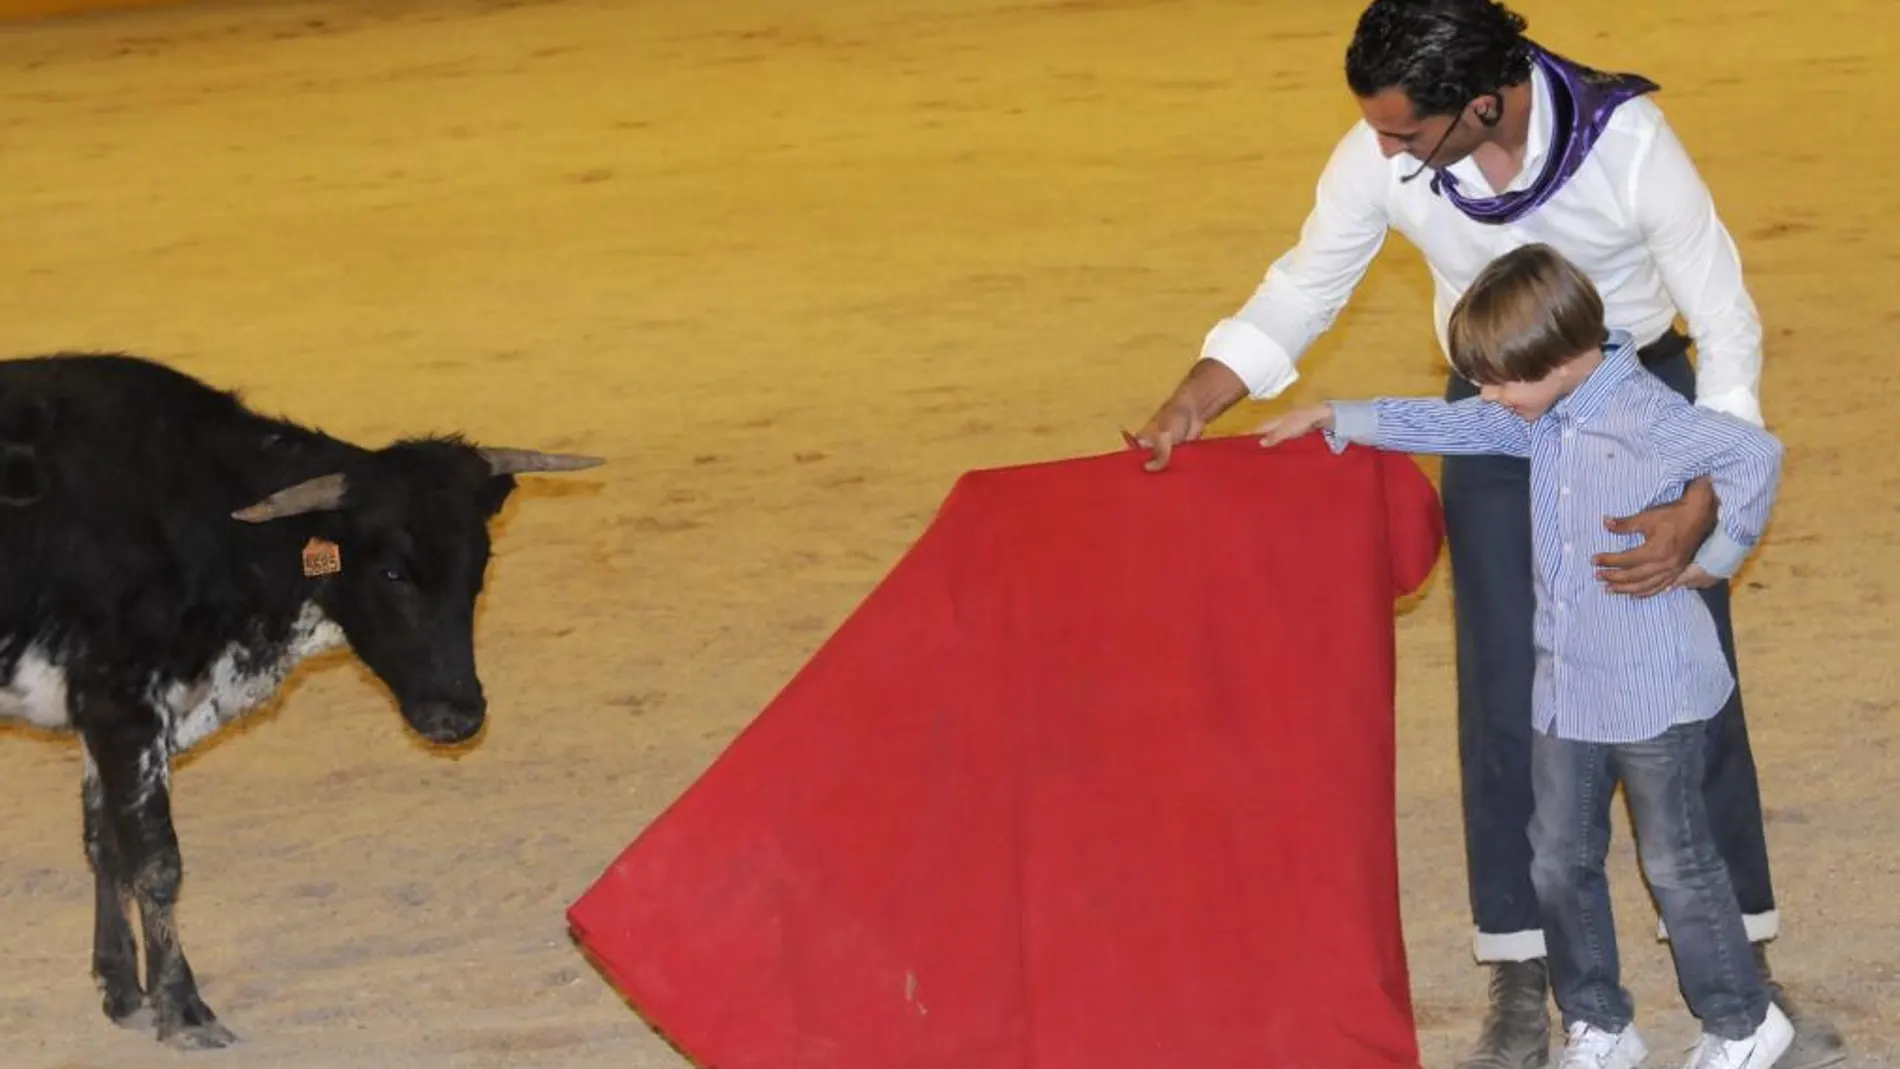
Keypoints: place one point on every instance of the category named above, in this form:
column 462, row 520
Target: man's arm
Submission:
column 1699, row 265
column 1253, row 352
column 1744, row 463
column 1304, row 291
column 1701, row 268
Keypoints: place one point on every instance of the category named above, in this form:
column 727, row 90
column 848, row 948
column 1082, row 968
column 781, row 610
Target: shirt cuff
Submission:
column 1353, row 421
column 1721, row 555
column 1246, row 351
column 1737, row 402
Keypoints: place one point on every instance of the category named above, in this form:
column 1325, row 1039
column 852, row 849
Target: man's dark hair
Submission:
column 1443, row 53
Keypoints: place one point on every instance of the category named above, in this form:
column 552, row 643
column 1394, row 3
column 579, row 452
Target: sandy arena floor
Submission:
column 793, row 267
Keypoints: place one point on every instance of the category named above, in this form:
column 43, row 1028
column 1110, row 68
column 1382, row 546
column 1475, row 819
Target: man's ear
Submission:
column 1488, row 109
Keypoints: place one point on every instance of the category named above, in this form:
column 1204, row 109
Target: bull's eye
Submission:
column 392, row 575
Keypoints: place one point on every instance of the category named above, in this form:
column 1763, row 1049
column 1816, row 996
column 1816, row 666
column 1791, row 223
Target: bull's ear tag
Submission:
column 321, row 557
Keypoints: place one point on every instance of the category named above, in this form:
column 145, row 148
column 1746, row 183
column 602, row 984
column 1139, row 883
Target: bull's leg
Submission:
column 183, row 1019
column 115, row 957
column 135, row 775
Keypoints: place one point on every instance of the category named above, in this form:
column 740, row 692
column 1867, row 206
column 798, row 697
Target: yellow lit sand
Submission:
column 793, row 267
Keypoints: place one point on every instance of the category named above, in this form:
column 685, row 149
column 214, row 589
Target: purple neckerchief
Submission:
column 1583, row 100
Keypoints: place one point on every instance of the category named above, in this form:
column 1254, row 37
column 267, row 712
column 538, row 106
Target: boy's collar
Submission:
column 1619, row 363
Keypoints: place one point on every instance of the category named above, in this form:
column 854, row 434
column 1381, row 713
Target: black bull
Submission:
column 167, row 557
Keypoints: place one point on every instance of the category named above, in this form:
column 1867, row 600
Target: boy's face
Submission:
column 1530, row 400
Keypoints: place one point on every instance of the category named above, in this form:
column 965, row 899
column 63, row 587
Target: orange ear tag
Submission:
column 321, row 557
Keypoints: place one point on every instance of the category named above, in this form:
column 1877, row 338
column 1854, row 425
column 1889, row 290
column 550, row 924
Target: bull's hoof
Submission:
column 208, row 1036
column 137, row 1018
column 126, row 1007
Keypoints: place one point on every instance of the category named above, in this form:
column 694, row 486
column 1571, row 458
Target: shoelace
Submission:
column 1588, row 1047
column 1713, row 1052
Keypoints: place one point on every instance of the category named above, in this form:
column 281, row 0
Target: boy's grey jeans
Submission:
column 1570, row 838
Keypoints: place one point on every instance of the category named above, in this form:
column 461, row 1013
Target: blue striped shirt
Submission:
column 1610, row 667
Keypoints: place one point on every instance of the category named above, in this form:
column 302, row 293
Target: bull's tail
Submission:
column 25, row 423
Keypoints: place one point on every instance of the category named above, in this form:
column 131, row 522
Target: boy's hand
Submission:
column 1694, row 578
column 1296, row 423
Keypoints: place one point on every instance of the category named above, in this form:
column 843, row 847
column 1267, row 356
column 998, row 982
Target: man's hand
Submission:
column 1175, row 422
column 1209, row 389
column 1296, row 424
column 1671, row 536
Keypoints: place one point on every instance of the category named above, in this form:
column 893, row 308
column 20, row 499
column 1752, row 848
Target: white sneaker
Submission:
column 1593, row 1048
column 1759, row 1051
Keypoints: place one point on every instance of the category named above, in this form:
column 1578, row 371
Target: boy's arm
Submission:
column 1742, row 460
column 1429, row 425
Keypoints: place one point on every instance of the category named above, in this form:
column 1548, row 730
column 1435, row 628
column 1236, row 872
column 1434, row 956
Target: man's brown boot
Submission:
column 1516, row 1032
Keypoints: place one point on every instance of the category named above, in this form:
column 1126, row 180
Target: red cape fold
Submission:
column 1100, row 776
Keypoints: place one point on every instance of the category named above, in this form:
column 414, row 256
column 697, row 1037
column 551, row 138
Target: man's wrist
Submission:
column 1210, row 389
column 1260, row 366
column 1700, row 495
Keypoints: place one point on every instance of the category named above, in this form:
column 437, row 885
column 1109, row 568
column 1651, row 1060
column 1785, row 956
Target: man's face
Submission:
column 1401, row 129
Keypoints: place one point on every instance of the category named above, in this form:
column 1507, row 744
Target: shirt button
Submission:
column 1564, row 490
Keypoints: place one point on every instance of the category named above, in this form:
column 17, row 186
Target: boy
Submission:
column 1623, row 685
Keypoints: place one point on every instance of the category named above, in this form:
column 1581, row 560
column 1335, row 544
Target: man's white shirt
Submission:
column 1636, row 218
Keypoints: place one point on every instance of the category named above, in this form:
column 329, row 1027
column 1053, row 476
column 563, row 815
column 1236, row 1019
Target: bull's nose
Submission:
column 445, row 724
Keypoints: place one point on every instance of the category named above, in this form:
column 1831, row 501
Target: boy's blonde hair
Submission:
column 1529, row 311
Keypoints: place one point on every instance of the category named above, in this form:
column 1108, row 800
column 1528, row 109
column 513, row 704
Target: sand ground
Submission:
column 793, row 267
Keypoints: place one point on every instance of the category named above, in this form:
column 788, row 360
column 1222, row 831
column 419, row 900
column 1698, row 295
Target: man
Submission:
column 1523, row 146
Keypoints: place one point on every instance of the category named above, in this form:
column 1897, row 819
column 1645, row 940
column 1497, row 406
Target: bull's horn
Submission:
column 312, row 495
column 515, row 461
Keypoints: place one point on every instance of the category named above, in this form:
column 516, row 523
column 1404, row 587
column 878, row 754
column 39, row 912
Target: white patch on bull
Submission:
column 239, row 681
column 35, row 692
column 154, row 771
